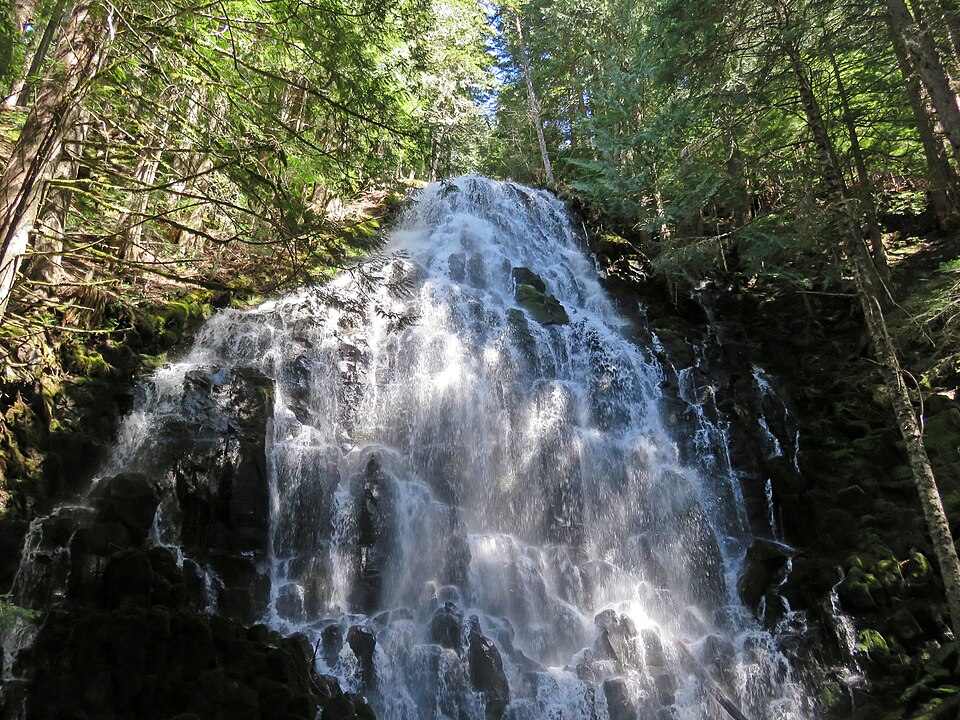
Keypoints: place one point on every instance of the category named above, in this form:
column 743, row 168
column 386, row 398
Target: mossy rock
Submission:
column 831, row 697
column 872, row 643
column 526, row 276
column 543, row 308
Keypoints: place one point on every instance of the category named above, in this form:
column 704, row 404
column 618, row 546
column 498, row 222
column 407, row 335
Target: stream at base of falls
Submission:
column 474, row 506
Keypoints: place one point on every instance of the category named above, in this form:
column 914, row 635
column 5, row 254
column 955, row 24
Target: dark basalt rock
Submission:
column 545, row 309
column 486, row 671
column 374, row 521
column 719, row 658
column 619, row 704
column 129, row 499
column 331, row 639
column 123, row 643
column 665, row 685
column 652, row 648
column 363, row 643
column 617, row 639
column 444, row 628
column 526, row 276
column 764, row 563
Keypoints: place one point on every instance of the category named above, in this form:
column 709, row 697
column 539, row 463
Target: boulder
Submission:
column 617, row 638
column 763, row 565
column 130, row 499
column 486, row 671
column 619, row 704
column 444, row 627
column 363, row 643
column 374, row 522
column 545, row 309
column 526, row 276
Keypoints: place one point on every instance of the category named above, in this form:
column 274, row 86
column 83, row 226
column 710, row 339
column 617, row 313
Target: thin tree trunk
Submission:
column 22, row 96
column 534, row 105
column 20, row 14
column 950, row 15
column 943, row 182
column 939, row 173
column 869, row 294
column 130, row 245
column 863, row 177
column 46, row 265
column 923, row 52
column 937, row 524
column 75, row 63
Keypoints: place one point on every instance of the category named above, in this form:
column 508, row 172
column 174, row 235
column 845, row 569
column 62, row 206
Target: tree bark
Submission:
column 24, row 94
column 943, row 184
column 950, row 15
column 46, row 265
column 21, row 12
column 534, row 105
column 75, row 63
column 923, row 52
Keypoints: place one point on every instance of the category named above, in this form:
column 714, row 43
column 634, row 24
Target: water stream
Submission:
column 475, row 515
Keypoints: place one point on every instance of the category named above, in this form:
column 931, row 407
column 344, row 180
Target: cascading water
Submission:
column 476, row 513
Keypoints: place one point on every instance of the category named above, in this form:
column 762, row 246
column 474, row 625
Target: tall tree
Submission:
column 75, row 64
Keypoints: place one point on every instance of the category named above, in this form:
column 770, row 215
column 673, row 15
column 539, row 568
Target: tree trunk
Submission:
column 23, row 95
column 943, row 184
column 950, row 15
column 869, row 294
column 46, row 265
column 923, row 52
column 866, row 187
column 534, row 105
column 21, row 12
column 75, row 63
column 129, row 244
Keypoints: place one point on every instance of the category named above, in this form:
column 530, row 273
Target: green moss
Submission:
column 917, row 569
column 78, row 360
column 545, row 309
column 831, row 696
column 872, row 643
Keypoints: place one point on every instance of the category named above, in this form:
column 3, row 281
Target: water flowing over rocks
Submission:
column 454, row 483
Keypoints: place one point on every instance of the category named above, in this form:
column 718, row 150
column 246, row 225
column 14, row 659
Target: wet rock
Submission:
column 486, row 671
column 617, row 637
column 545, row 309
column 130, row 499
column 456, row 264
column 652, row 648
column 856, row 595
column 526, row 276
column 665, row 685
column 619, row 704
column 12, row 533
column 128, row 579
column 444, row 628
column 374, row 522
column 363, row 643
column 331, row 639
column 719, row 658
column 477, row 271
column 458, row 561
column 763, row 566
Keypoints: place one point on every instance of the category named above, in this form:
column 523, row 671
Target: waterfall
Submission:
column 474, row 507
